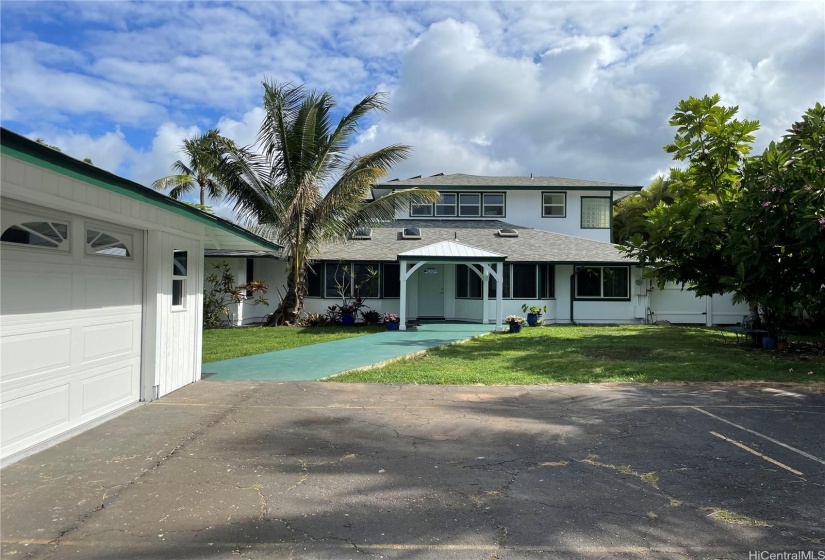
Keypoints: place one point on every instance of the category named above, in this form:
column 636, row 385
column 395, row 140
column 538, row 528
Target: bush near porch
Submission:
column 594, row 354
column 223, row 344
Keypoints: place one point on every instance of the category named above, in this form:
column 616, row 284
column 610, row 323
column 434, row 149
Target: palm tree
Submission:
column 302, row 188
column 195, row 175
column 630, row 214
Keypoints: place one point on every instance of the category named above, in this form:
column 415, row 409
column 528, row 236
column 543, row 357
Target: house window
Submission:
column 48, row 235
column 595, row 212
column 348, row 280
column 179, row 274
column 367, row 281
column 547, row 281
column 469, row 204
column 250, row 274
column 313, row 281
column 391, row 280
column 493, row 205
column 525, row 281
column 467, row 283
column 553, row 205
column 421, row 209
column 101, row 243
column 447, row 205
column 603, row 282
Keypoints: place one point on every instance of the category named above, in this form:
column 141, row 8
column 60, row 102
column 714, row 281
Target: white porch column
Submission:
column 405, row 274
column 484, row 287
column 402, row 312
column 499, row 296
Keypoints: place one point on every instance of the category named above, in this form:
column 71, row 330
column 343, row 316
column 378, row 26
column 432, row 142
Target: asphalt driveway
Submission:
column 324, row 470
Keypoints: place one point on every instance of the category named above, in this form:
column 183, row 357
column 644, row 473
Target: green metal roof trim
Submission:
column 19, row 147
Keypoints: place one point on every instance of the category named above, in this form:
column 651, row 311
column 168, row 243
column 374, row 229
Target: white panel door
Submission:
column 70, row 339
column 431, row 291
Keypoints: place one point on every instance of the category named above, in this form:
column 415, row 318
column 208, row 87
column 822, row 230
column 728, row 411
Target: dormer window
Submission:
column 362, row 233
column 411, row 233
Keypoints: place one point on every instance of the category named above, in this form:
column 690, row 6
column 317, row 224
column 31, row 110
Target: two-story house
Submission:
column 488, row 246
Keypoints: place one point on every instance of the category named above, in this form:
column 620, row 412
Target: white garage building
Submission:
column 100, row 293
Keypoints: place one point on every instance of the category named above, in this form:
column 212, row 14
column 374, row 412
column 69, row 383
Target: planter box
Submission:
column 391, row 326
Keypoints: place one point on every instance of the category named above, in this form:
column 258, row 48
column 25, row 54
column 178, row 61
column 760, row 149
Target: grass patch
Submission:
column 727, row 516
column 596, row 354
column 223, row 344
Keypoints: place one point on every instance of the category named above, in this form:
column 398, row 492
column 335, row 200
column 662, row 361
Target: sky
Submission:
column 569, row 89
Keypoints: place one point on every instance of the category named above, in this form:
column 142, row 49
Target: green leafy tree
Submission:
column 778, row 235
column 630, row 213
column 301, row 185
column 685, row 241
column 221, row 291
column 196, row 174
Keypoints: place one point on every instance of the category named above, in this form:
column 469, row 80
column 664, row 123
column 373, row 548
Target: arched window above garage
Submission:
column 45, row 234
column 108, row 244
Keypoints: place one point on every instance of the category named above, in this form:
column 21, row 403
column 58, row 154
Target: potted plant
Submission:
column 349, row 309
column 534, row 313
column 391, row 321
column 515, row 322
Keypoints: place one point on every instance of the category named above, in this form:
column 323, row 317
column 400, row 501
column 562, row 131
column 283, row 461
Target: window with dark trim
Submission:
column 391, row 280
column 553, row 204
column 447, row 205
column 463, row 205
column 250, row 272
column 366, row 280
column 468, row 284
column 603, row 282
column 525, row 281
column 314, row 280
column 348, row 279
column 595, row 212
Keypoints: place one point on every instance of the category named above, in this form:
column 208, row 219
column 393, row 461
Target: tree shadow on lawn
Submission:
column 470, row 481
column 686, row 354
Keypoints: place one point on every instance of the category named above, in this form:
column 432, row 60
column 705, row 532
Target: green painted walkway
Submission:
column 328, row 358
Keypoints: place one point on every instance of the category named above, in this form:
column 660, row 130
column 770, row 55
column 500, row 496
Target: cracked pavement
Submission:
column 325, row 470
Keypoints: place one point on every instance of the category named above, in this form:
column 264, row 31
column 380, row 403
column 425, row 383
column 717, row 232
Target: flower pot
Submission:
column 769, row 342
column 533, row 319
column 347, row 319
column 515, row 328
column 393, row 326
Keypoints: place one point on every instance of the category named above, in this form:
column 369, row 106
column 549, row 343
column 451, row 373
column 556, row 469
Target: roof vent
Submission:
column 411, row 233
column 437, row 175
column 416, row 177
column 362, row 233
column 508, row 233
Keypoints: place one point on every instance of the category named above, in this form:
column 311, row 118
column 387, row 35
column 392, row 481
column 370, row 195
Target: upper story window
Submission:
column 44, row 234
column 493, row 205
column 463, row 205
column 101, row 243
column 595, row 212
column 553, row 205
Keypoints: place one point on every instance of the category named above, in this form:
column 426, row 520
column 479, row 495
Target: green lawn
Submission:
column 577, row 354
column 223, row 344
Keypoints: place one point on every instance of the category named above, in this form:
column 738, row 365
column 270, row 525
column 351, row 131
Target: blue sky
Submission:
column 581, row 89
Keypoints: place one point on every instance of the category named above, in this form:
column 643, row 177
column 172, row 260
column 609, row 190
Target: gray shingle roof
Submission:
column 474, row 181
column 532, row 245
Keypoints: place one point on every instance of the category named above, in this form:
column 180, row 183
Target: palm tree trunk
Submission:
column 289, row 310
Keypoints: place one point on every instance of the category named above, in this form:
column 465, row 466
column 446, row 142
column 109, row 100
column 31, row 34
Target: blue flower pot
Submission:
column 769, row 342
column 347, row 319
column 391, row 326
column 515, row 327
column 532, row 319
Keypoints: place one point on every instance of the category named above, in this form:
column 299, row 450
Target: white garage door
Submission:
column 71, row 323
